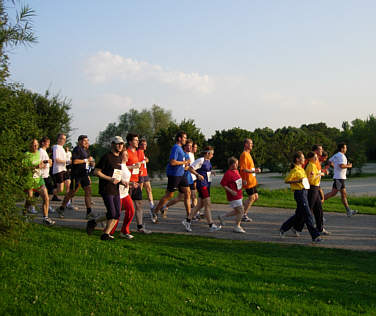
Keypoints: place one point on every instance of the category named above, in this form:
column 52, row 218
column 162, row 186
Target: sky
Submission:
column 248, row 64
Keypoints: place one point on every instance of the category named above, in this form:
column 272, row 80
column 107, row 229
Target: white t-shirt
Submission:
column 45, row 172
column 339, row 159
column 192, row 159
column 58, row 152
column 68, row 154
column 125, row 176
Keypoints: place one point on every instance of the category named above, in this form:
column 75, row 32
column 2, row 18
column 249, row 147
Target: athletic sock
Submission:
column 151, row 204
column 139, row 226
column 88, row 210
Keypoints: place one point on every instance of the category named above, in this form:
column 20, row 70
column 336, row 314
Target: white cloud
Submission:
column 105, row 66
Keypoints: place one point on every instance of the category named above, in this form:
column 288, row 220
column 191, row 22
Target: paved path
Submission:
column 356, row 233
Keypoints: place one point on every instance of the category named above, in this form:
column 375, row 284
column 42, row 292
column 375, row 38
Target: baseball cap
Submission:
column 117, row 140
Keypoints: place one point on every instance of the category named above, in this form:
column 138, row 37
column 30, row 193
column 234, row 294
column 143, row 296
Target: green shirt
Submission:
column 34, row 177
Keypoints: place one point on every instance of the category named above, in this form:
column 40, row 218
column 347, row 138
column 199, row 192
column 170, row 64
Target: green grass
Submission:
column 282, row 198
column 57, row 271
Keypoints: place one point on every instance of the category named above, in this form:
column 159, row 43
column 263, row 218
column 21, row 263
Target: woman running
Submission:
column 302, row 213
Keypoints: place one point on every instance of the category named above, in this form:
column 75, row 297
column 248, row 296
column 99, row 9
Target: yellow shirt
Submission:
column 296, row 173
column 313, row 174
column 246, row 162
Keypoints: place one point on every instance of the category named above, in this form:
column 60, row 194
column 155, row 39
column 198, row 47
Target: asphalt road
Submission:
column 355, row 233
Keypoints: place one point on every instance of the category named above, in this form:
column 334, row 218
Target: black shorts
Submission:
column 143, row 179
column 136, row 194
column 77, row 180
column 60, row 177
column 251, row 191
column 49, row 184
column 192, row 186
column 112, row 204
column 174, row 182
column 339, row 184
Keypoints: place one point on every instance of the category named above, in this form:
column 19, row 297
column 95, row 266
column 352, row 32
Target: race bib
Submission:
column 238, row 184
column 136, row 171
column 117, row 174
column 209, row 176
column 37, row 173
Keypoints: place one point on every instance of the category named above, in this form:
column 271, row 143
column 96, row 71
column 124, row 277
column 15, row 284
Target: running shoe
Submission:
column 164, row 211
column 90, row 215
column 325, row 232
column 246, row 219
column 238, row 229
column 145, row 231
column 221, row 221
column 106, row 237
column 317, row 240
column 48, row 221
column 32, row 210
column 153, row 217
column 125, row 236
column 351, row 213
column 282, row 234
column 90, row 226
column 187, row 225
column 214, row 228
column 295, row 233
column 72, row 207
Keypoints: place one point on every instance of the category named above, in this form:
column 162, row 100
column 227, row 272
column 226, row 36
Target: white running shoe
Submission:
column 153, row 217
column 48, row 221
column 247, row 219
column 325, row 232
column 125, row 236
column 351, row 213
column 214, row 228
column 72, row 207
column 187, row 225
column 238, row 229
column 145, row 231
column 282, row 234
column 295, row 233
column 32, row 210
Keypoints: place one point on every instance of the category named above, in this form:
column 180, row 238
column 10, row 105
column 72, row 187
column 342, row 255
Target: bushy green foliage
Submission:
column 24, row 115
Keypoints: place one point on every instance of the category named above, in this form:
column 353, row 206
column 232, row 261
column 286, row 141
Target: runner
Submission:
column 248, row 174
column 35, row 181
column 144, row 177
column 45, row 143
column 232, row 183
column 339, row 162
column 126, row 202
column 59, row 170
column 314, row 193
column 193, row 187
column 187, row 150
column 81, row 161
column 109, row 172
column 202, row 168
column 302, row 213
column 175, row 175
column 134, row 165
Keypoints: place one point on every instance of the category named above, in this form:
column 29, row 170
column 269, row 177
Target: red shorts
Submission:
column 204, row 192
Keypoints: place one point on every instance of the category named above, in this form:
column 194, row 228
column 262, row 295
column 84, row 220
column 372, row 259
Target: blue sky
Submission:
column 225, row 64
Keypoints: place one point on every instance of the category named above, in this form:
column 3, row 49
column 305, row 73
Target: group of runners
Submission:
column 122, row 174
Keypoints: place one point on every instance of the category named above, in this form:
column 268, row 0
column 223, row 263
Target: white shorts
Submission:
column 236, row 203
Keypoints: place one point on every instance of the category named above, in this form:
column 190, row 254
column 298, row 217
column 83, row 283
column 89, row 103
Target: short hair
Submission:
column 81, row 137
column 324, row 154
column 179, row 135
column 189, row 141
column 316, row 147
column 294, row 157
column 231, row 161
column 246, row 141
column 206, row 150
column 143, row 140
column 311, row 154
column 130, row 137
column 60, row 134
column 340, row 146
column 43, row 139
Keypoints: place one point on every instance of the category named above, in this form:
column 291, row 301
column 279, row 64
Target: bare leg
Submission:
column 139, row 213
column 187, row 200
column 168, row 195
column 109, row 225
column 249, row 202
column 87, row 196
column 46, row 201
column 207, row 208
column 28, row 200
column 149, row 192
column 330, row 194
column 344, row 198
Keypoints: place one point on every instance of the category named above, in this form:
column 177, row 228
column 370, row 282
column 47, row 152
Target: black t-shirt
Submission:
column 79, row 170
column 107, row 164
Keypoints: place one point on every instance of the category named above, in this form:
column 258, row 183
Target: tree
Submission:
column 13, row 34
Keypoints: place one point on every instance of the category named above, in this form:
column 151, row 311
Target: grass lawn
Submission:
column 282, row 198
column 57, row 271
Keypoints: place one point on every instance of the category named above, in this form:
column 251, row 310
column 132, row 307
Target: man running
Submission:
column 144, row 177
column 135, row 192
column 81, row 161
column 59, row 169
column 340, row 164
column 248, row 174
column 175, row 175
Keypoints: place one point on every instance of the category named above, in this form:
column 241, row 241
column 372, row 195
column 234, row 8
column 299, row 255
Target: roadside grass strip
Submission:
column 56, row 270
